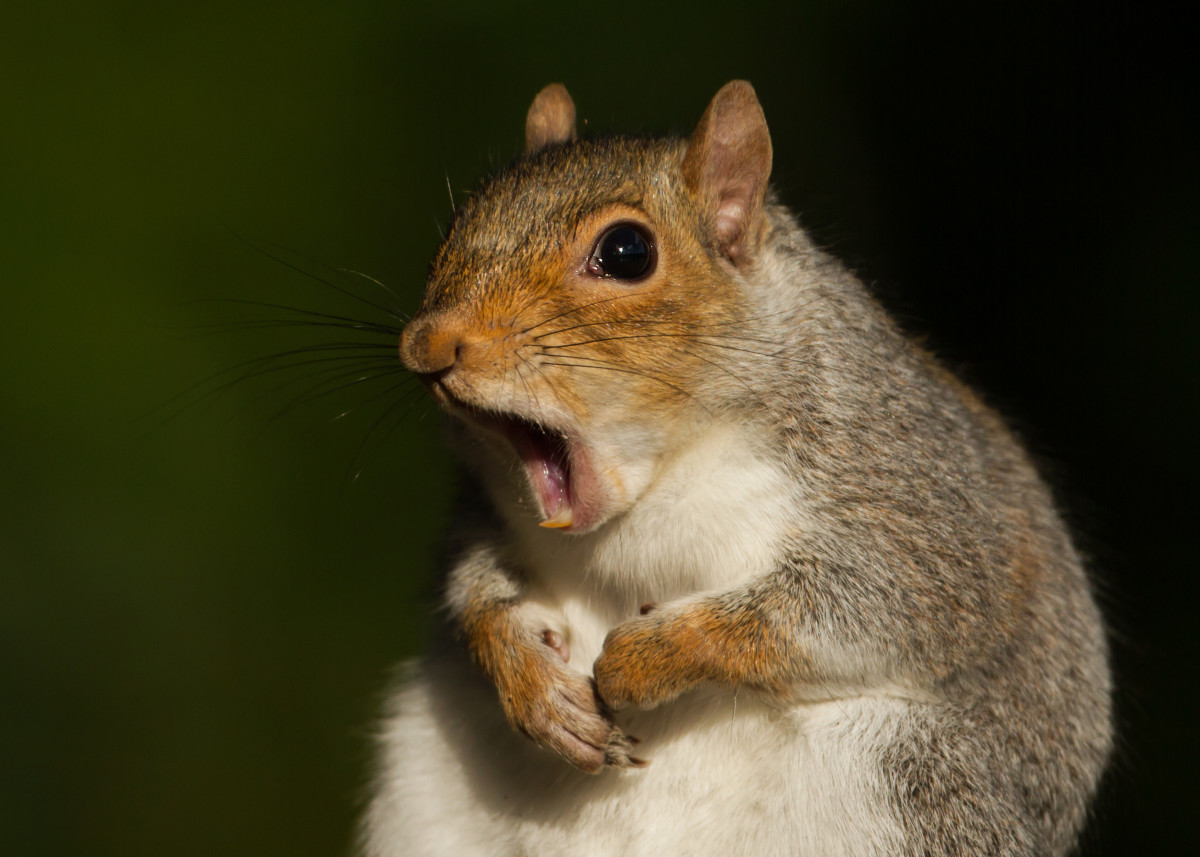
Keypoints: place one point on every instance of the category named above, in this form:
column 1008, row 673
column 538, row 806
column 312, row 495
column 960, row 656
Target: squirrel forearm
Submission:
column 808, row 628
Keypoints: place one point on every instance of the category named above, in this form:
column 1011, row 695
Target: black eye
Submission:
column 624, row 252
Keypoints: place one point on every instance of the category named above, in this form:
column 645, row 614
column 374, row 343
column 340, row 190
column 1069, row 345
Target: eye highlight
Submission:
column 623, row 252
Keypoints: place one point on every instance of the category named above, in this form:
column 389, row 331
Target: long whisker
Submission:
column 687, row 325
column 687, row 335
column 347, row 292
column 577, row 309
column 364, row 325
column 379, row 283
column 361, row 363
column 732, row 375
column 410, row 397
column 533, row 399
column 368, row 372
column 280, row 324
column 609, row 366
column 295, row 364
column 533, row 368
column 529, row 300
column 387, row 391
column 268, row 359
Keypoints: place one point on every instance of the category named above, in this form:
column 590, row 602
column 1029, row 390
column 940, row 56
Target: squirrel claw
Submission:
column 613, row 761
column 617, row 755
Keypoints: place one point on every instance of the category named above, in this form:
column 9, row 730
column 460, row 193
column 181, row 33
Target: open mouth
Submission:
column 546, row 454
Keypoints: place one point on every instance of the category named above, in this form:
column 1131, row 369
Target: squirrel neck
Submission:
column 718, row 513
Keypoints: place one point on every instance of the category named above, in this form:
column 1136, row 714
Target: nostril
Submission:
column 434, row 376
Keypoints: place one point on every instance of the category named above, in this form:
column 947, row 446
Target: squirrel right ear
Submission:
column 551, row 119
column 727, row 165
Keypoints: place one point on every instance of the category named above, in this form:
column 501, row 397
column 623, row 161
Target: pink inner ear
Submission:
column 731, row 214
column 728, row 163
column 736, row 181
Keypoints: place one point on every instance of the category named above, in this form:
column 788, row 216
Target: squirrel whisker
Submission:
column 365, row 374
column 612, row 366
column 389, row 311
column 574, row 310
column 355, row 323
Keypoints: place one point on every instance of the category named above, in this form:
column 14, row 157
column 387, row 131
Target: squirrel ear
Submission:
column 551, row 119
column 727, row 165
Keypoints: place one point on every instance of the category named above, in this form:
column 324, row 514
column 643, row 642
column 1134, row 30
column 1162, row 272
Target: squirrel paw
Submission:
column 642, row 664
column 558, row 709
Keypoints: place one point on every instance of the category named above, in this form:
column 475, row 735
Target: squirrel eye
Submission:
column 624, row 252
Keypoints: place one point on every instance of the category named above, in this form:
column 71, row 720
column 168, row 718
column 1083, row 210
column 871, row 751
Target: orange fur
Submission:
column 655, row 658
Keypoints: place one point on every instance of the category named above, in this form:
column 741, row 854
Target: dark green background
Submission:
column 199, row 607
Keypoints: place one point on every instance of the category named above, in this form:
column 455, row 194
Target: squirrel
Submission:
column 722, row 503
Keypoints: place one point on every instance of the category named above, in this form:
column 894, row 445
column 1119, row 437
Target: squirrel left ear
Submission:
column 727, row 165
column 551, row 119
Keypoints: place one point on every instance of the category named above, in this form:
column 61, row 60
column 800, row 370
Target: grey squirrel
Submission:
column 724, row 505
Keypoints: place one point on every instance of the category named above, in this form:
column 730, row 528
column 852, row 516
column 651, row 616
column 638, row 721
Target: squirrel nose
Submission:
column 429, row 347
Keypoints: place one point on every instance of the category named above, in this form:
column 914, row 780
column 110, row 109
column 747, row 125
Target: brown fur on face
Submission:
column 509, row 288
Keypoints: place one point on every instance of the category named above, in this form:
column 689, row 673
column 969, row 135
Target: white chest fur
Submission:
column 715, row 515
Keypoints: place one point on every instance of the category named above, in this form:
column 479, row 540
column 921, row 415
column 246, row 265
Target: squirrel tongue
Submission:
column 547, row 459
column 551, row 482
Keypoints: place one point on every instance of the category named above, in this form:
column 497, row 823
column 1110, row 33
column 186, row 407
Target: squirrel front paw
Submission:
column 645, row 663
column 558, row 709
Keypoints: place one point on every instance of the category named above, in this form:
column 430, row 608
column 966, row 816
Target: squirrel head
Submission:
column 573, row 313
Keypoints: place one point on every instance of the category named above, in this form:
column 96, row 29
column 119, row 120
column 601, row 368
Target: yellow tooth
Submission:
column 562, row 518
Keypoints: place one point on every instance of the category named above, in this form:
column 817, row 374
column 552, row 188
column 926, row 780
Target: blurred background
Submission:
column 205, row 583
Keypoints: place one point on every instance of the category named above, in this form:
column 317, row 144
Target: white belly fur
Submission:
column 728, row 775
